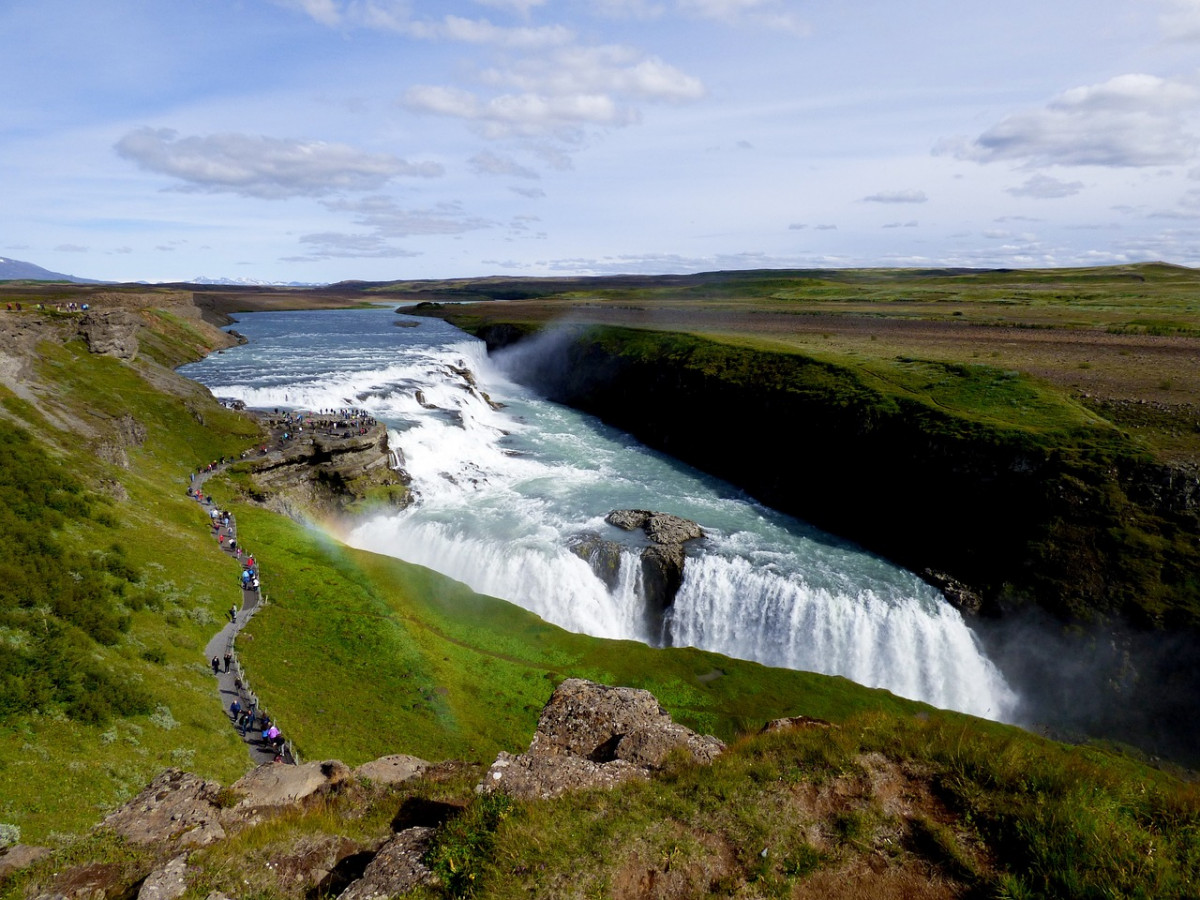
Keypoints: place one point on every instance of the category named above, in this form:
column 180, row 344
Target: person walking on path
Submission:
column 233, row 614
column 216, row 666
column 228, row 660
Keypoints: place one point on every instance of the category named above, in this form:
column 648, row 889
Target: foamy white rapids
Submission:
column 502, row 493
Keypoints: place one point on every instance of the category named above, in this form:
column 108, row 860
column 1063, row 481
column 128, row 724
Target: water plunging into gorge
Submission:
column 507, row 483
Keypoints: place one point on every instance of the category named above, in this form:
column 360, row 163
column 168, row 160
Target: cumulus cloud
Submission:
column 1044, row 187
column 530, row 193
column 1130, row 120
column 560, row 93
column 897, row 197
column 270, row 168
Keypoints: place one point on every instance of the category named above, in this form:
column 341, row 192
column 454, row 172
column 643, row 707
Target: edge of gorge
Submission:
column 1068, row 541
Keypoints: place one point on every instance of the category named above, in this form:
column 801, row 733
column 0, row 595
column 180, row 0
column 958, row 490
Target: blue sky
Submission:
column 320, row 140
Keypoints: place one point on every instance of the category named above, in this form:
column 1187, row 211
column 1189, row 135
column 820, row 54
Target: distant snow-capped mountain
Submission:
column 16, row 270
column 251, row 282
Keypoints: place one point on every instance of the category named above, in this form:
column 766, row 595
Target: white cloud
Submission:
column 520, row 114
column 897, row 197
column 481, row 31
column 772, row 14
column 593, row 70
column 561, row 92
column 327, row 12
column 397, row 16
column 1130, row 120
column 1044, row 187
column 265, row 167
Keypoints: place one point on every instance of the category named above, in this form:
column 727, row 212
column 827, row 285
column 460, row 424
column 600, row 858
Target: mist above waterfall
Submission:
column 502, row 494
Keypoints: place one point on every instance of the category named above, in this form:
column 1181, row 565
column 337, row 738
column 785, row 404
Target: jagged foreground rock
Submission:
column 590, row 736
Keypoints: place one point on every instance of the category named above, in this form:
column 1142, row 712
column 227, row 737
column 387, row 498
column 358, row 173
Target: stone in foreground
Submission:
column 590, row 735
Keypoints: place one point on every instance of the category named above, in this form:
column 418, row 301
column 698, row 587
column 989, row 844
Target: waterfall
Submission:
column 503, row 494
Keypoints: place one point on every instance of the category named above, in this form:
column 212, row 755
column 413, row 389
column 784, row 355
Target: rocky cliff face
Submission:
column 321, row 473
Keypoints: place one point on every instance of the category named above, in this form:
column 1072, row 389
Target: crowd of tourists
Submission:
column 256, row 727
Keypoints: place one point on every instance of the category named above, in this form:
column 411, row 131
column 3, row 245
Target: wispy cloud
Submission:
column 389, row 219
column 487, row 163
column 897, row 197
column 265, row 167
column 1044, row 187
column 772, row 14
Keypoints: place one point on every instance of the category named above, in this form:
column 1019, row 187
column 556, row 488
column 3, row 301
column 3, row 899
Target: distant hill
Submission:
column 16, row 270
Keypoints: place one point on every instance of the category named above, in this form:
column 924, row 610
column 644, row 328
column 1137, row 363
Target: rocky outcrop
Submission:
column 389, row 770
column 18, row 856
column 112, row 332
column 176, row 808
column 166, row 882
column 315, row 472
column 590, row 735
column 793, row 723
column 272, row 787
column 398, row 867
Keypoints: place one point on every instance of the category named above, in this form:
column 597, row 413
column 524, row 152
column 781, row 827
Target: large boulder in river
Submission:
column 662, row 560
column 590, row 735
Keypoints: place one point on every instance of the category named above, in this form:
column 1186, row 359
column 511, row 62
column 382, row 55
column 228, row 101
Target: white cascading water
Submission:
column 502, row 493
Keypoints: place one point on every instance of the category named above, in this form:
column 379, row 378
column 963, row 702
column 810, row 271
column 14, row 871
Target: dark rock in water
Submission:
column 420, row 395
column 961, row 597
column 590, row 735
column 603, row 556
column 662, row 561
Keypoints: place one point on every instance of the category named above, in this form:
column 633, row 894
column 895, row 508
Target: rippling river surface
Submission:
column 501, row 493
